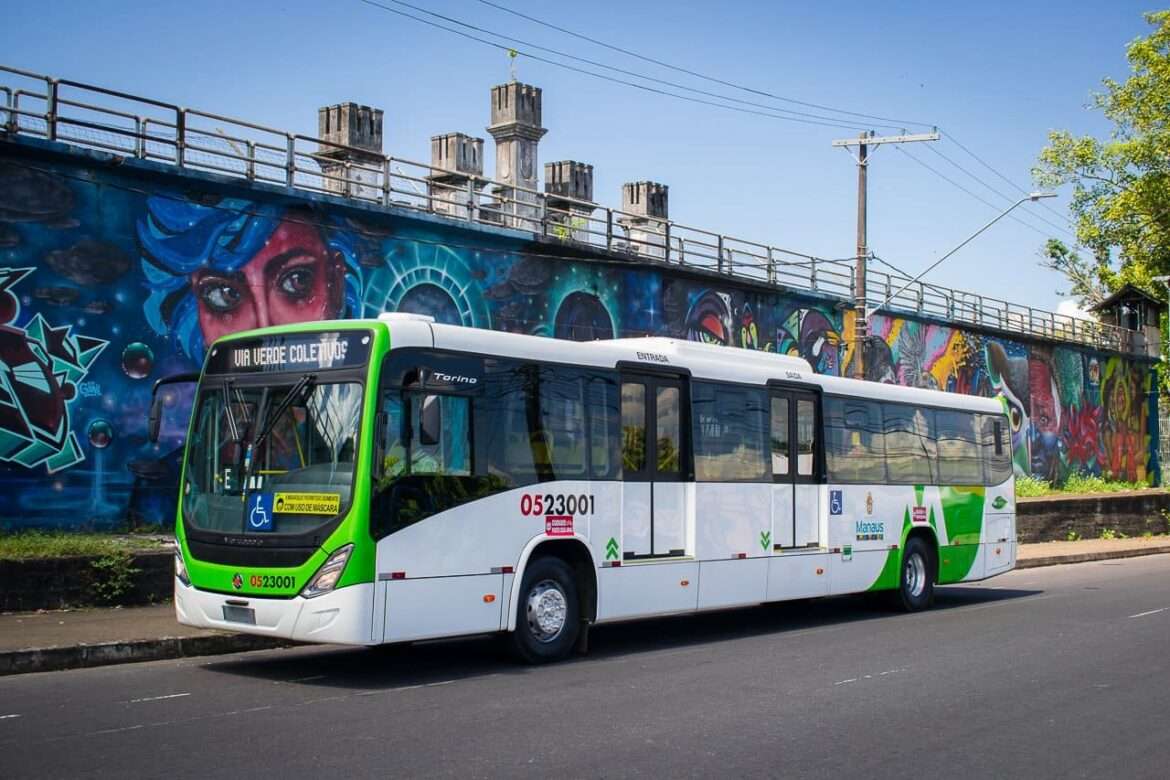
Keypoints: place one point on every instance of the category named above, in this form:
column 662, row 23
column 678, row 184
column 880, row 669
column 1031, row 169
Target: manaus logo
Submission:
column 237, row 581
column 999, row 503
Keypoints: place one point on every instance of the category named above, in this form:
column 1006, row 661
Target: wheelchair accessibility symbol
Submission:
column 260, row 512
column 836, row 505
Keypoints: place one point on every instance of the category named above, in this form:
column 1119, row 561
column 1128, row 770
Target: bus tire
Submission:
column 916, row 577
column 548, row 612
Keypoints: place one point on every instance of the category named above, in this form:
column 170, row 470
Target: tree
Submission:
column 1121, row 186
column 1084, row 277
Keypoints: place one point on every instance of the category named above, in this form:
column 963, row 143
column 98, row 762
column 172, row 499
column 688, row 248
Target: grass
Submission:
column 26, row 545
column 1076, row 484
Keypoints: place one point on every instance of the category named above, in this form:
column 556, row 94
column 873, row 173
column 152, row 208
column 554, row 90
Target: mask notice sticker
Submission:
column 558, row 525
column 307, row 503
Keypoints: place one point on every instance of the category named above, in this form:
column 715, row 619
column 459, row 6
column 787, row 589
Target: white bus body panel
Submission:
column 798, row 575
column 645, row 589
column 442, row 606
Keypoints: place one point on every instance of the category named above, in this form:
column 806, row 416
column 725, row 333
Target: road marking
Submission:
column 844, row 682
column 159, row 698
column 307, row 679
column 6, row 717
column 1151, row 612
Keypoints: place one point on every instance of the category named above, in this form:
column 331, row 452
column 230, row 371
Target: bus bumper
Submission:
column 343, row 616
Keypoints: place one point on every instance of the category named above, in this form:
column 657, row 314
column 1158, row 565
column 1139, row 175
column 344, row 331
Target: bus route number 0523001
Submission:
column 556, row 504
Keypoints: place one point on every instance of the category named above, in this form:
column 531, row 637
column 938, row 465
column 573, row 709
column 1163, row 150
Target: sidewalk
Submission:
column 71, row 639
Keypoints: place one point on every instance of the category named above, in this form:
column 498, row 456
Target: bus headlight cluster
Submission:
column 181, row 567
column 330, row 572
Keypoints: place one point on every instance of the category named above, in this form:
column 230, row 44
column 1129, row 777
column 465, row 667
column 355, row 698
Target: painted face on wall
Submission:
column 292, row 278
column 1009, row 378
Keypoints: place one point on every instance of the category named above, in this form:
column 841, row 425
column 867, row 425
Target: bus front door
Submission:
column 654, row 493
column 795, row 495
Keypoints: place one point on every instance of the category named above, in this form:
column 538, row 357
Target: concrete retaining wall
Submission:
column 57, row 583
column 1051, row 519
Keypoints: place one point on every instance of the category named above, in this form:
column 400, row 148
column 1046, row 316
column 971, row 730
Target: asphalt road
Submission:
column 1055, row 672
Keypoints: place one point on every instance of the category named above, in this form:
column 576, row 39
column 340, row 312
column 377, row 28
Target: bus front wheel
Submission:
column 548, row 616
column 916, row 580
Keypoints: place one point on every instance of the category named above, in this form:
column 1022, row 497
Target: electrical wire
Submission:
column 624, row 72
column 891, row 122
column 602, row 76
column 1001, row 194
column 974, row 195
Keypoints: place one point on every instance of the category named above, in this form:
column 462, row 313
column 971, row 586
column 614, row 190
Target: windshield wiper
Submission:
column 303, row 385
column 233, row 427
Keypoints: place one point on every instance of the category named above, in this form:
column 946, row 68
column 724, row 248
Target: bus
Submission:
column 395, row 479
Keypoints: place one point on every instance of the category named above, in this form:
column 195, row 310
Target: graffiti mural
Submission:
column 111, row 278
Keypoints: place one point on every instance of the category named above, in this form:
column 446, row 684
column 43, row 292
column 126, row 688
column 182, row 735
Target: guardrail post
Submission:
column 921, row 294
column 719, row 252
column 290, row 159
column 386, row 180
column 348, row 166
column 609, row 230
column 51, row 112
column 140, row 137
column 180, row 137
column 812, row 274
column 666, row 241
column 771, row 267
column 1072, row 321
column 251, row 170
column 471, row 204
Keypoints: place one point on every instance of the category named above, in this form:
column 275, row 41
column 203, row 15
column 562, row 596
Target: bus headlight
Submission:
column 181, row 567
column 330, row 572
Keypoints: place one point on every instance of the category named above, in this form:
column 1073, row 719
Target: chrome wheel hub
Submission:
column 547, row 610
column 915, row 575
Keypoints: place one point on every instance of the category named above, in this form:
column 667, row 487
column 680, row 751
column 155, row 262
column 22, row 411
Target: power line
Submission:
column 773, row 96
column 1001, row 194
column 614, row 69
column 554, row 63
column 976, row 196
column 900, row 123
column 987, row 165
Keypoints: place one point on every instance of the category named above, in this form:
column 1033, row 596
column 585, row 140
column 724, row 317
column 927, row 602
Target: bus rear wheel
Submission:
column 916, row 579
column 548, row 612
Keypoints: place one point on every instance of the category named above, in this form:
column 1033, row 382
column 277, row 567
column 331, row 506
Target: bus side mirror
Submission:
column 430, row 423
column 154, row 422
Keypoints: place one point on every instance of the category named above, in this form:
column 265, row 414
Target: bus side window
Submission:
column 959, row 459
column 604, row 428
column 997, row 457
column 855, row 443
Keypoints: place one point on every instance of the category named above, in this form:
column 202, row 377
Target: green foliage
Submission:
column 1032, row 487
column 1076, row 484
column 1073, row 536
column 26, row 545
column 1121, row 185
column 1083, row 276
column 1108, row 534
column 113, row 576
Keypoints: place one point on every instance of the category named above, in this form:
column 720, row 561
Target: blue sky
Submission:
column 994, row 75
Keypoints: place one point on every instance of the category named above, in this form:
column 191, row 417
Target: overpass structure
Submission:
column 133, row 231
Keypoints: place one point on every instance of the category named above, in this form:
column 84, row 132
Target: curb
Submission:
column 55, row 659
column 1053, row 560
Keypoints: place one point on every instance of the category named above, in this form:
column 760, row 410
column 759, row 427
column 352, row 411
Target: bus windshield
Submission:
column 260, row 461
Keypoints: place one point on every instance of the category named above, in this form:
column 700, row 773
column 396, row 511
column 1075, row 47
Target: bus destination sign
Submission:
column 300, row 352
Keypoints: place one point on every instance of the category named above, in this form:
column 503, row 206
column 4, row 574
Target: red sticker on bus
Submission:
column 558, row 525
column 919, row 514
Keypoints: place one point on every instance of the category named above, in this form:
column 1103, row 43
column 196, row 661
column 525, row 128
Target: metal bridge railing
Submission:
column 123, row 124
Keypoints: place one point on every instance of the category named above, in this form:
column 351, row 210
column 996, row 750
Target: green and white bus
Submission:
column 389, row 480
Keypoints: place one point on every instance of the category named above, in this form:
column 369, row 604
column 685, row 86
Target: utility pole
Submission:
column 863, row 142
